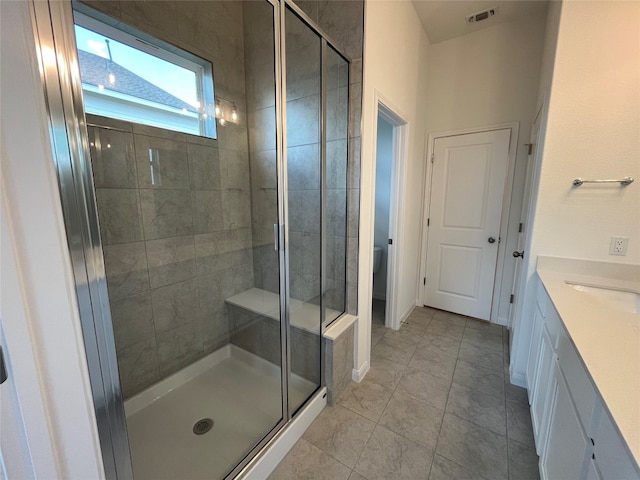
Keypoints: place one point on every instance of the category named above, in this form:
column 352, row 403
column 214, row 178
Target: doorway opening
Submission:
column 389, row 178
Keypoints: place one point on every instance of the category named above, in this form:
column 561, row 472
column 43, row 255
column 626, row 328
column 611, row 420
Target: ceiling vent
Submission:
column 483, row 15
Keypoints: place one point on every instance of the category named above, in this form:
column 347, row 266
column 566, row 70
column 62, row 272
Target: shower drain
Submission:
column 202, row 426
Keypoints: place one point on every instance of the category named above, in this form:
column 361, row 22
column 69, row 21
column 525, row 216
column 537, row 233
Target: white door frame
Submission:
column 506, row 207
column 362, row 353
column 532, row 159
column 396, row 201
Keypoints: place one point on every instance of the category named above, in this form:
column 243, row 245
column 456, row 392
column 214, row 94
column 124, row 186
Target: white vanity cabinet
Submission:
column 610, row 452
column 565, row 451
column 574, row 433
column 540, row 377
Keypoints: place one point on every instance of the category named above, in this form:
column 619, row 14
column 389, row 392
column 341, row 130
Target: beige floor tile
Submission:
column 341, row 433
column 391, row 456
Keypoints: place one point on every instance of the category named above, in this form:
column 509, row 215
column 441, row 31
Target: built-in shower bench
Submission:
column 254, row 321
column 303, row 315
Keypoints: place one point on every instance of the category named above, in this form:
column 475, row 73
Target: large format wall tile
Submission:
column 207, row 211
column 166, row 213
column 175, row 305
column 112, row 156
column 132, row 319
column 179, row 347
column 264, row 170
column 170, row 260
column 343, row 20
column 303, row 77
column 233, row 137
column 138, row 366
column 126, row 269
column 302, row 121
column 234, row 169
column 262, row 126
column 304, row 211
column 119, row 213
column 158, row 18
column 303, row 167
column 236, row 209
column 337, row 164
column 161, row 163
column 204, row 167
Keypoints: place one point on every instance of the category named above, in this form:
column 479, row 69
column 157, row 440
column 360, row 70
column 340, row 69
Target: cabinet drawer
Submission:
column 582, row 390
column 611, row 454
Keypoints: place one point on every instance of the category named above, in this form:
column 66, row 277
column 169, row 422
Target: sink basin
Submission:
column 619, row 299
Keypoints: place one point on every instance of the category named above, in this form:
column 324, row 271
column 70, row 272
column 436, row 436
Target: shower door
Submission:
column 317, row 81
column 201, row 149
column 170, row 184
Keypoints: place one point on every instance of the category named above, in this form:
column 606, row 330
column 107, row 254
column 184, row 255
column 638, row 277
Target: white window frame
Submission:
column 136, row 39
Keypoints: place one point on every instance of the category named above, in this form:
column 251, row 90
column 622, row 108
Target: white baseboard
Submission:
column 357, row 374
column 517, row 378
column 406, row 314
column 279, row 446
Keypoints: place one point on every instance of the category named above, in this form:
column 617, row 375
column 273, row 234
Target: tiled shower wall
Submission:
column 261, row 113
column 343, row 21
column 175, row 249
column 163, row 243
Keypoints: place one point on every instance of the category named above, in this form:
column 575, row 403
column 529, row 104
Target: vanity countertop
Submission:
column 606, row 338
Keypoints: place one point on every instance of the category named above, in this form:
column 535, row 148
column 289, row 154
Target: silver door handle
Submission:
column 3, row 369
column 275, row 236
column 491, row 240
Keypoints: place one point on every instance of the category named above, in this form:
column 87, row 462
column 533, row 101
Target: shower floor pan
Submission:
column 239, row 391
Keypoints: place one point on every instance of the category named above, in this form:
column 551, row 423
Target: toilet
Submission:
column 377, row 258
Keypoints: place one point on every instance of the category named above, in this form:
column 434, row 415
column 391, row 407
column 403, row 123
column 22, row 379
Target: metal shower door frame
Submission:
column 60, row 76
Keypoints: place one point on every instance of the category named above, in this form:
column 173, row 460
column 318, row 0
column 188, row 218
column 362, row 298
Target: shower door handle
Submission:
column 276, row 232
column 278, row 236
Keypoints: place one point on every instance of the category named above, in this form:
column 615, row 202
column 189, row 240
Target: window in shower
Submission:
column 128, row 75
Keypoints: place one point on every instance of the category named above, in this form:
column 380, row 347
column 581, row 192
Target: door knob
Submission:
column 517, row 254
column 492, row 240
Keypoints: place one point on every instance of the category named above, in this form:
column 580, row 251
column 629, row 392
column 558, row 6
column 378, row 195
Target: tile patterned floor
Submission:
column 435, row 405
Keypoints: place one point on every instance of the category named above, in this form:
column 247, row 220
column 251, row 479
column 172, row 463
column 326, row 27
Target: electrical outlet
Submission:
column 618, row 245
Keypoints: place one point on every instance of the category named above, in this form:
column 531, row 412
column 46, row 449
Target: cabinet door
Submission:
column 611, row 455
column 565, row 454
column 545, row 381
column 534, row 353
column 592, row 472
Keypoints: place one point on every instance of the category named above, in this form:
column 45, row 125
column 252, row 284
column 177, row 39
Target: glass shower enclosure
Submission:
column 201, row 149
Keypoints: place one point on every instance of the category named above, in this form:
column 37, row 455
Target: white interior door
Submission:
column 524, row 214
column 467, row 190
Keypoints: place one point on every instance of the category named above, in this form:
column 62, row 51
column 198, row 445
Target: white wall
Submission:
column 38, row 306
column 591, row 79
column 593, row 131
column 384, row 153
column 485, row 78
column 395, row 59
